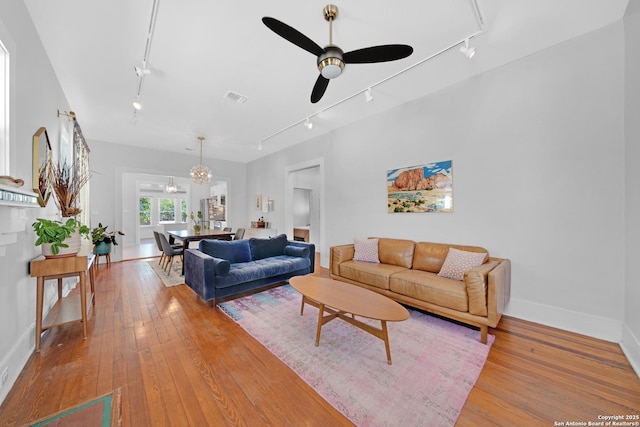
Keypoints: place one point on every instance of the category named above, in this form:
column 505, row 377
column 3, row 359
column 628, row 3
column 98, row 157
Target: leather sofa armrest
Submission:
column 499, row 291
column 476, row 281
column 338, row 255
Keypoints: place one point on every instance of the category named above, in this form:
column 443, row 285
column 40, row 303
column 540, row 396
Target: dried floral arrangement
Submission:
column 66, row 184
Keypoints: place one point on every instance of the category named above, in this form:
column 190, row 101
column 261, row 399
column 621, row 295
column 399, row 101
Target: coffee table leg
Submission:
column 302, row 306
column 385, row 337
column 320, row 316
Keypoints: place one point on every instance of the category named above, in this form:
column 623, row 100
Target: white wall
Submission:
column 631, row 332
column 538, row 168
column 35, row 97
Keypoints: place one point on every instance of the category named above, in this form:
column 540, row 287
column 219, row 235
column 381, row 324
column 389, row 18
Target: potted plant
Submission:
column 197, row 221
column 59, row 239
column 103, row 239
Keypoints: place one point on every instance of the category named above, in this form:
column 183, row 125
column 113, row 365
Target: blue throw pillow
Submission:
column 234, row 251
column 265, row 248
column 299, row 251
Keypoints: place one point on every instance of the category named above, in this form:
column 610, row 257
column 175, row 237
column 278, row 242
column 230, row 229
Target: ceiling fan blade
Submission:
column 292, row 35
column 383, row 53
column 319, row 88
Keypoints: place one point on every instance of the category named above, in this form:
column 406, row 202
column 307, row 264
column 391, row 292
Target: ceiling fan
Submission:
column 331, row 59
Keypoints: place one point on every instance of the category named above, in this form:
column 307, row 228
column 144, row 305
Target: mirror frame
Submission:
column 41, row 137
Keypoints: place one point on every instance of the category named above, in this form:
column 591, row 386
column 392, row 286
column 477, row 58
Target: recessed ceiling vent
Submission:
column 236, row 97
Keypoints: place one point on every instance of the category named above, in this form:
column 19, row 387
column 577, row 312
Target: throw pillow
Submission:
column 366, row 250
column 266, row 248
column 234, row 251
column 457, row 262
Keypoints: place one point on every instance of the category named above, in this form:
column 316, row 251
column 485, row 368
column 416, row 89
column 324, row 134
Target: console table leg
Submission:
column 83, row 302
column 39, row 301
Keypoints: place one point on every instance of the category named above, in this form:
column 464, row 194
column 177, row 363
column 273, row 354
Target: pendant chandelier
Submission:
column 170, row 187
column 200, row 173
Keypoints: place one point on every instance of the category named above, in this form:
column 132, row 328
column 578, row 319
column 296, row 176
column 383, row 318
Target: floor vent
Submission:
column 234, row 96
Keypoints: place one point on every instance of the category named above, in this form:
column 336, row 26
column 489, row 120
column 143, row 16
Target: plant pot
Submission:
column 196, row 229
column 74, row 243
column 103, row 248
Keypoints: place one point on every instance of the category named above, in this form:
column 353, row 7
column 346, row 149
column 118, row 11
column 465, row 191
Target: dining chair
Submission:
column 156, row 235
column 169, row 252
column 239, row 234
column 226, row 229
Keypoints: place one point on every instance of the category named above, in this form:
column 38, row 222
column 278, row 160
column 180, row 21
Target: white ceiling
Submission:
column 201, row 49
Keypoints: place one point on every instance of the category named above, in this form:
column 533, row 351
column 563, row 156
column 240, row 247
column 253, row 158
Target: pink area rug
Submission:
column 435, row 362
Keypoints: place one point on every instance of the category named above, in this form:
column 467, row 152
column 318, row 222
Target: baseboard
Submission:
column 631, row 347
column 16, row 360
column 568, row 320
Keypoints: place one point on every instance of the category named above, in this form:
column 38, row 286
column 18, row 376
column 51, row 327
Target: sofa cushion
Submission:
column 396, row 252
column 430, row 287
column 246, row 272
column 457, row 262
column 366, row 272
column 366, row 250
column 233, row 251
column 298, row 251
column 265, row 248
column 430, row 256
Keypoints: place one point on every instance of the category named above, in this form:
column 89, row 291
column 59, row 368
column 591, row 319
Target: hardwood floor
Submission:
column 180, row 362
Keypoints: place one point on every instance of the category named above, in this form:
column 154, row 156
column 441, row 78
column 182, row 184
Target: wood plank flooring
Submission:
column 181, row 363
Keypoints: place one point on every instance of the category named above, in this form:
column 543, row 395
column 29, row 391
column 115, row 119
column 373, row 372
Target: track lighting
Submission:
column 137, row 104
column 466, row 50
column 142, row 71
column 259, row 145
column 308, row 123
column 367, row 95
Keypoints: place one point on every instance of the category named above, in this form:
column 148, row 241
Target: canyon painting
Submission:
column 424, row 188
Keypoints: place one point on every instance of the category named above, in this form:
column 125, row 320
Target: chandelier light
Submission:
column 170, row 187
column 200, row 173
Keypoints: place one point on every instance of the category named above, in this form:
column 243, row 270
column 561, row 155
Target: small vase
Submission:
column 196, row 229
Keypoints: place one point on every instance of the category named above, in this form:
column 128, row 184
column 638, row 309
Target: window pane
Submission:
column 145, row 210
column 167, row 210
column 183, row 210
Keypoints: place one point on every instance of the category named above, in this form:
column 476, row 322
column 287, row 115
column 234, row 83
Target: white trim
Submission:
column 5, row 91
column 631, row 348
column 573, row 321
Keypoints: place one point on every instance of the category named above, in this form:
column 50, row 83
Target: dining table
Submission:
column 187, row 236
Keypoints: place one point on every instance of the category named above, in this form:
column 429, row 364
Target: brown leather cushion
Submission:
column 430, row 256
column 396, row 251
column 366, row 272
column 432, row 288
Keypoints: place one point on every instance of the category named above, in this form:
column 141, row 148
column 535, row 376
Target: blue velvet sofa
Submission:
column 221, row 270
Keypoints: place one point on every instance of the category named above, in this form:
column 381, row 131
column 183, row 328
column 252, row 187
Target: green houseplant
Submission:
column 197, row 221
column 54, row 235
column 103, row 239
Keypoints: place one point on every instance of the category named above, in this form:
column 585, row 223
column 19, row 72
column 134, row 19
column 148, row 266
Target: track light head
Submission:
column 367, row 95
column 259, row 145
column 308, row 123
column 142, row 71
column 467, row 50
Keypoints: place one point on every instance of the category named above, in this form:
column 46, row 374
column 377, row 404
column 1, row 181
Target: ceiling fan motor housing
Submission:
column 330, row 63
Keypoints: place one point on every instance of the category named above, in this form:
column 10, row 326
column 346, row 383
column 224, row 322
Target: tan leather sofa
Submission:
column 408, row 273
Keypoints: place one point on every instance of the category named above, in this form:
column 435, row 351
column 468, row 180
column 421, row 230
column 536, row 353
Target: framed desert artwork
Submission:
column 423, row 188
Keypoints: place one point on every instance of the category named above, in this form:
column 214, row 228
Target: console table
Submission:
column 65, row 309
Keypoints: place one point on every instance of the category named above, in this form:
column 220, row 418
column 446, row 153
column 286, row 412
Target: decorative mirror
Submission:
column 41, row 166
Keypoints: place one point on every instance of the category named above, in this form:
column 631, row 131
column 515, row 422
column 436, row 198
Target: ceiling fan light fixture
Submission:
column 467, row 50
column 330, row 64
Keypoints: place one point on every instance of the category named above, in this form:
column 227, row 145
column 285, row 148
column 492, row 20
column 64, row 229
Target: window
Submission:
column 183, row 210
column 145, row 210
column 4, row 110
column 167, row 209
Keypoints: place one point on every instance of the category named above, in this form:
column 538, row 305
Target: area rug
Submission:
column 435, row 362
column 104, row 411
column 174, row 278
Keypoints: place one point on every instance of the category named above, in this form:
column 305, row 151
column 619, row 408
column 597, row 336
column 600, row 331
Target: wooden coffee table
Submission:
column 340, row 298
